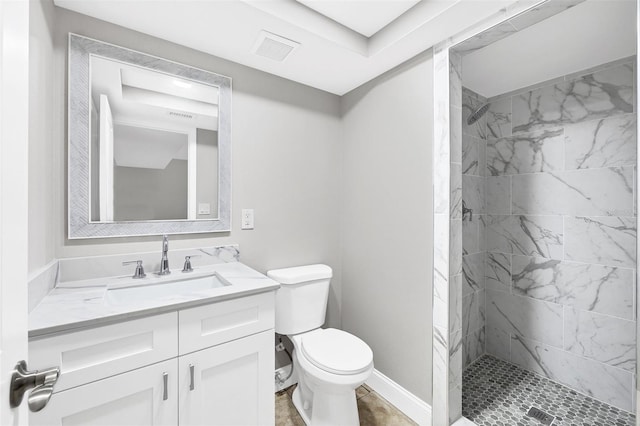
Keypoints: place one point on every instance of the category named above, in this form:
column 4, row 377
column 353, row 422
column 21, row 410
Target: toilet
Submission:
column 330, row 363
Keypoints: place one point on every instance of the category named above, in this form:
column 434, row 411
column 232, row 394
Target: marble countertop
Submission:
column 80, row 304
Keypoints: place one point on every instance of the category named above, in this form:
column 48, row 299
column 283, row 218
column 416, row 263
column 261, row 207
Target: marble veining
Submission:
column 473, row 306
column 473, row 193
column 473, row 155
column 455, row 359
column 441, row 271
column 598, row 95
column 596, row 192
column 605, row 142
column 603, row 289
column 498, row 271
column 499, row 118
column 603, row 240
column 559, row 232
column 487, row 37
column 455, row 303
column 471, row 242
column 456, row 191
column 455, row 241
column 473, row 346
column 526, row 317
column 473, row 274
column 600, row 381
column 528, row 235
column 455, row 135
column 533, row 152
column 602, row 338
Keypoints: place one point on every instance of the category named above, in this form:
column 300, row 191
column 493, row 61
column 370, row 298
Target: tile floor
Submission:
column 497, row 393
column 372, row 408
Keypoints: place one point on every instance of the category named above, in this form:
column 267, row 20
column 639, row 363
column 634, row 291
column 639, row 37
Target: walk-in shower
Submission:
column 536, row 262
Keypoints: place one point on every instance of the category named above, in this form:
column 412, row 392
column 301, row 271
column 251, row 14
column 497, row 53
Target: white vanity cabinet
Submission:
column 211, row 364
column 133, row 398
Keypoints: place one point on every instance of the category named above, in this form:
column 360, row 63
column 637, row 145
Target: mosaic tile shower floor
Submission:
column 497, row 393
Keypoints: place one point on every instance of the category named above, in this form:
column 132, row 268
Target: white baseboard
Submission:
column 415, row 408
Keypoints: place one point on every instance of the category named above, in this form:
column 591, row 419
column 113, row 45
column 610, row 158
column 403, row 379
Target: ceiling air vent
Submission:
column 273, row 46
column 180, row 115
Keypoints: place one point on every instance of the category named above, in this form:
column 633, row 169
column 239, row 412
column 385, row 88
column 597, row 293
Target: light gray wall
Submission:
column 156, row 194
column 280, row 130
column 387, row 221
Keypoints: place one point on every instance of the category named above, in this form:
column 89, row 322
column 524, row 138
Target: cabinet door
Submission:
column 232, row 383
column 133, row 398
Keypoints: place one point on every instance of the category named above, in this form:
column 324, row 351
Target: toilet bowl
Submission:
column 330, row 363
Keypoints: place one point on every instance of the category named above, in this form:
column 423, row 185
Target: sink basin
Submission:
column 162, row 290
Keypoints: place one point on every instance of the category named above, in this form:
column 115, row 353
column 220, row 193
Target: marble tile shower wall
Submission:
column 557, row 230
column 473, row 248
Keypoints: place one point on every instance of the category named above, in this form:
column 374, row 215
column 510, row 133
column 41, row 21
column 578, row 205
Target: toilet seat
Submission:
column 336, row 351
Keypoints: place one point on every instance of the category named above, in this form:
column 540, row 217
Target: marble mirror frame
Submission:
column 79, row 215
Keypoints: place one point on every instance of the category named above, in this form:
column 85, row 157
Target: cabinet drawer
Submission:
column 210, row 325
column 88, row 355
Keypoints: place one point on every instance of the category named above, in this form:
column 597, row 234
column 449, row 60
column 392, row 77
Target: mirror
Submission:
column 149, row 144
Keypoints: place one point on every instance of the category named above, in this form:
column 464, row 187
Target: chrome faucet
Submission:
column 164, row 262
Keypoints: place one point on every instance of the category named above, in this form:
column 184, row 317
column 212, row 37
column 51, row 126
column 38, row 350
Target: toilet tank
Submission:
column 301, row 300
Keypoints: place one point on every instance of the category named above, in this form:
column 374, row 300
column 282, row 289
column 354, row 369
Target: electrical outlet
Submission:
column 280, row 347
column 247, row 219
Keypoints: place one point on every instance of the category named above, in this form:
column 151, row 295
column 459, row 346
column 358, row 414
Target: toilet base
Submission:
column 323, row 398
column 327, row 409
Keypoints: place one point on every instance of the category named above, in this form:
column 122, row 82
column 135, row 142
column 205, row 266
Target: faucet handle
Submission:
column 187, row 263
column 139, row 269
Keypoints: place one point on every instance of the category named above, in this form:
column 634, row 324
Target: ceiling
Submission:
column 601, row 32
column 342, row 43
column 366, row 17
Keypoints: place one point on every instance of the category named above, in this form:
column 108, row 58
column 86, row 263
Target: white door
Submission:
column 107, row 146
column 143, row 397
column 14, row 112
column 232, row 383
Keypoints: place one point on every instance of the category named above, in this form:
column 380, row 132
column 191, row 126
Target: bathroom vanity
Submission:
column 172, row 348
column 131, row 353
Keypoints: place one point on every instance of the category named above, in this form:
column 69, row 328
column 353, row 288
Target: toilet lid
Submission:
column 337, row 351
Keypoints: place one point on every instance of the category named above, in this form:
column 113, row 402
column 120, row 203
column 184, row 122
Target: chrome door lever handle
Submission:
column 41, row 381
